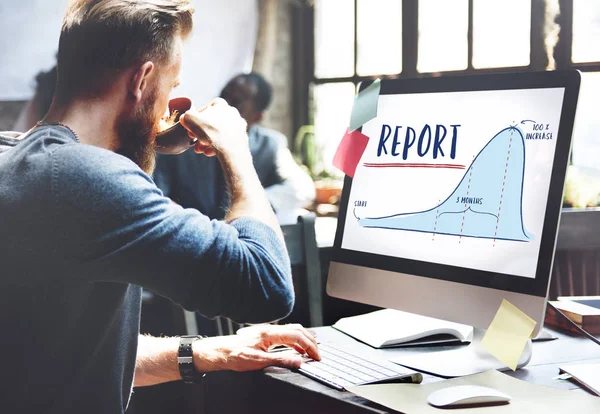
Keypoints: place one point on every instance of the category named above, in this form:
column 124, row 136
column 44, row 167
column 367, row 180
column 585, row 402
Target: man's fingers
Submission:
column 292, row 335
column 309, row 333
column 210, row 152
column 282, row 359
column 203, row 146
column 194, row 123
column 207, row 151
column 301, row 350
column 253, row 359
column 308, row 346
column 305, row 335
column 295, row 339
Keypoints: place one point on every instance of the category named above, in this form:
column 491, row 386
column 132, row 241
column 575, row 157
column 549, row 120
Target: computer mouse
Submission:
column 466, row 395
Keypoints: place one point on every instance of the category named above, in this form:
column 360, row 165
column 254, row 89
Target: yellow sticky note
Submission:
column 508, row 333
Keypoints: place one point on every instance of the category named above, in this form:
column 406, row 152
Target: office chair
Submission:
column 300, row 239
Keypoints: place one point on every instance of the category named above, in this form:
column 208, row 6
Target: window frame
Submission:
column 538, row 61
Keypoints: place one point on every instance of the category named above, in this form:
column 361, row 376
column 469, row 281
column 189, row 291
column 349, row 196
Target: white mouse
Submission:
column 466, row 395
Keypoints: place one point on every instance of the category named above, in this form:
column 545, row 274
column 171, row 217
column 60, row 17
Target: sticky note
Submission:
column 351, row 148
column 365, row 105
column 508, row 333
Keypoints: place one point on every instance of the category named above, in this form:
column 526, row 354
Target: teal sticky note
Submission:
column 365, row 105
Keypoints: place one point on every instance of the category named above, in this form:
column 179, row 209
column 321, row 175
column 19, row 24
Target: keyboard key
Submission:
column 345, row 374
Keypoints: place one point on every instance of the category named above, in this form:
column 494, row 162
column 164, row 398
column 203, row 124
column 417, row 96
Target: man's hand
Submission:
column 249, row 349
column 221, row 131
column 218, row 127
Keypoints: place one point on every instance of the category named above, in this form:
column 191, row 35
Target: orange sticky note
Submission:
column 349, row 151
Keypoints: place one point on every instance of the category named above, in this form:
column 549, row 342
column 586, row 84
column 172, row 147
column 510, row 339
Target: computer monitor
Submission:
column 455, row 203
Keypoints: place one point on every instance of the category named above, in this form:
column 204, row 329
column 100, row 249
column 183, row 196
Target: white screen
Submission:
column 480, row 206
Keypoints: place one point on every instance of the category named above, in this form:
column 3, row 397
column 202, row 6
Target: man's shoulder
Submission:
column 65, row 147
column 8, row 139
column 89, row 156
column 94, row 169
column 98, row 180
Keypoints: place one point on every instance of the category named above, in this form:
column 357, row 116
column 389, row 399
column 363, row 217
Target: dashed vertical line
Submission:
column 462, row 224
column 503, row 183
column 437, row 214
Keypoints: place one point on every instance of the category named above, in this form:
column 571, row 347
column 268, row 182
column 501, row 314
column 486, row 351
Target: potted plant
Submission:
column 328, row 182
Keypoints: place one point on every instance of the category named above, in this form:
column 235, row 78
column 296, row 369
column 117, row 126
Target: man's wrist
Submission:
column 241, row 177
column 185, row 358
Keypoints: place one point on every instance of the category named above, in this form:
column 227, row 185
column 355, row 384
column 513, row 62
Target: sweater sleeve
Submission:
column 119, row 227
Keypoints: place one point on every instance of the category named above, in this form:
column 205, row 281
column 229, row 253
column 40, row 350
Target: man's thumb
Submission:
column 193, row 121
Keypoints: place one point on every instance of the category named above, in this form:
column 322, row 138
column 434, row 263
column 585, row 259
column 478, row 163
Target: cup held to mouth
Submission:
column 175, row 139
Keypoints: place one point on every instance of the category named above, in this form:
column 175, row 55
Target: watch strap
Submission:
column 185, row 358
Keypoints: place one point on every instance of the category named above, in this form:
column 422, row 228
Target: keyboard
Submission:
column 340, row 368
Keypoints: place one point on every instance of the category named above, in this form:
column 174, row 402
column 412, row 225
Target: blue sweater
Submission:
column 82, row 230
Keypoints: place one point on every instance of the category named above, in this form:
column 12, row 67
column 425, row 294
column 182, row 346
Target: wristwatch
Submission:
column 185, row 358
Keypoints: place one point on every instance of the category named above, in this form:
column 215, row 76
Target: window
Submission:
column 357, row 40
column 379, row 37
column 586, row 31
column 334, row 43
column 586, row 134
column 501, row 33
column 333, row 105
column 585, row 55
column 443, row 35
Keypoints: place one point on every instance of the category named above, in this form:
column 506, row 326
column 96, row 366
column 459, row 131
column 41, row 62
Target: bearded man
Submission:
column 84, row 228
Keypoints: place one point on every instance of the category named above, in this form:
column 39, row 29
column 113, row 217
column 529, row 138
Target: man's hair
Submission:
column 264, row 91
column 100, row 38
column 44, row 91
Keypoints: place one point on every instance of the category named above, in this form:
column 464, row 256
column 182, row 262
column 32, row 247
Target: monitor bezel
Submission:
column 570, row 81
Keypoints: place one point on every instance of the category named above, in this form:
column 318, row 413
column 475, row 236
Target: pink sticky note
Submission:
column 350, row 150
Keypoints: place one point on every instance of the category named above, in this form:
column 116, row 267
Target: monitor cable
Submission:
column 574, row 325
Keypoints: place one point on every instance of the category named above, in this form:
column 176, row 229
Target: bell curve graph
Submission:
column 487, row 202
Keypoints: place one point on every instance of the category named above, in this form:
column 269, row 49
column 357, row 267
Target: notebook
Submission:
column 583, row 310
column 587, row 375
column 391, row 328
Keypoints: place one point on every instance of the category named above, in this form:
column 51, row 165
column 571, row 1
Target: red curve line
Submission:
column 414, row 165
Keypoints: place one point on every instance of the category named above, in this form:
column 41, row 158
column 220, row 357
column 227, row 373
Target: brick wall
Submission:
column 273, row 58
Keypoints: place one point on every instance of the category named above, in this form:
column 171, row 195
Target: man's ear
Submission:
column 259, row 117
column 139, row 80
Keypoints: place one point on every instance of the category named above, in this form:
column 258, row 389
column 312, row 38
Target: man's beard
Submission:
column 137, row 134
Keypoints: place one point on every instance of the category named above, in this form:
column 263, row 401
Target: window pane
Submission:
column 586, row 31
column 501, row 33
column 586, row 134
column 443, row 28
column 332, row 108
column 379, row 34
column 334, row 38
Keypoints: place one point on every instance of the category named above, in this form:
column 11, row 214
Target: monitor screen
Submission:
column 456, row 181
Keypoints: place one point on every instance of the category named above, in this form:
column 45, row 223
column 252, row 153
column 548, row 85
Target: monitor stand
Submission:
column 466, row 360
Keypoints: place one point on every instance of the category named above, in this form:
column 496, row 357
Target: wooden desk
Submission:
column 279, row 390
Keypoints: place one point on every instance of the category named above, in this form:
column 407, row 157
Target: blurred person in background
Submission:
column 199, row 182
